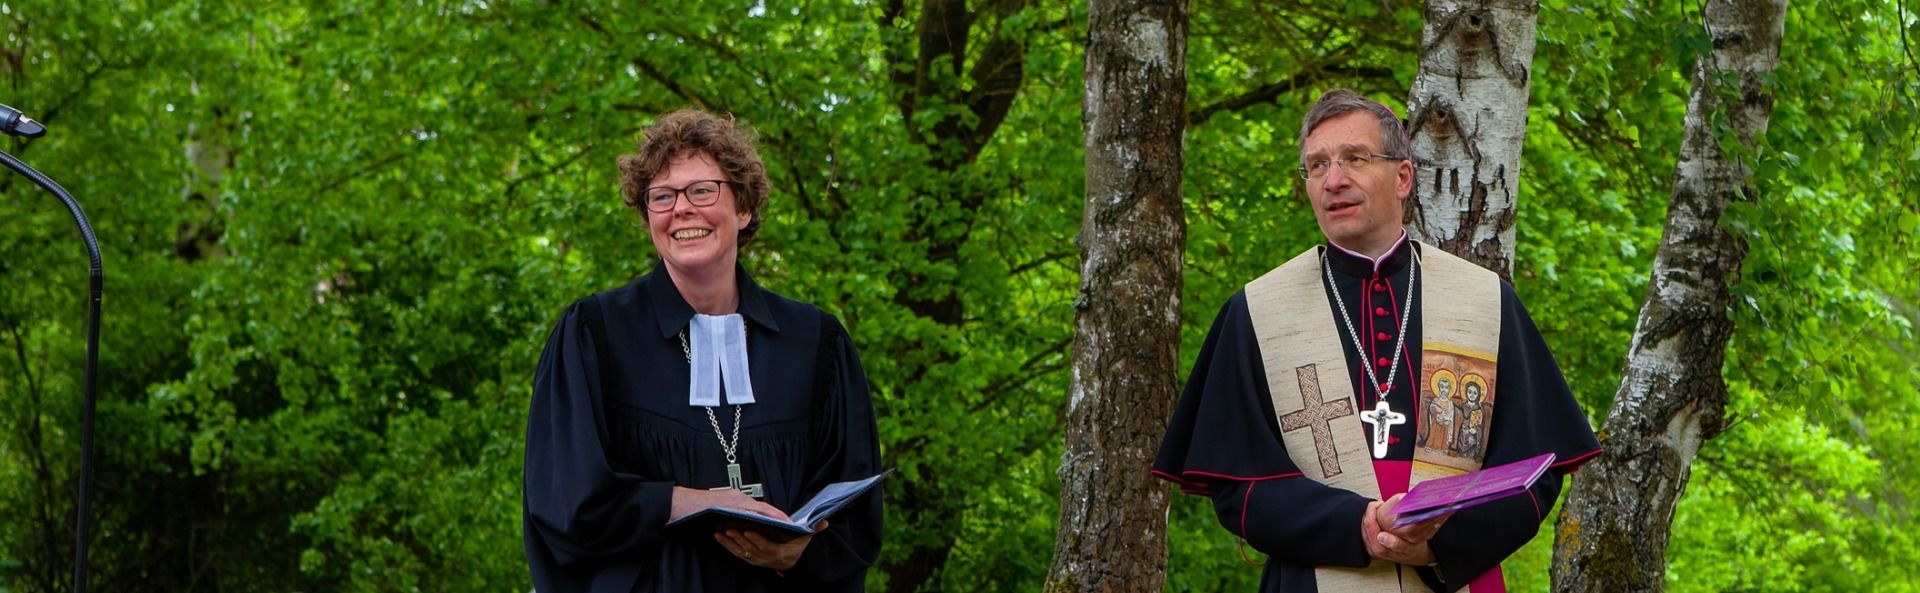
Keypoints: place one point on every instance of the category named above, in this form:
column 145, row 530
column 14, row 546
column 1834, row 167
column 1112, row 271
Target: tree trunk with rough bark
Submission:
column 1468, row 120
column 1612, row 535
column 1126, row 351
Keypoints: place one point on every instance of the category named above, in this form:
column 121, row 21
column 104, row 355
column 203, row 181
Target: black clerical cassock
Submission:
column 611, row 432
column 1225, row 439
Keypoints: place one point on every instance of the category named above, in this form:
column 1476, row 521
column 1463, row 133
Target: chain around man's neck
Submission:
column 1413, row 274
column 1382, row 418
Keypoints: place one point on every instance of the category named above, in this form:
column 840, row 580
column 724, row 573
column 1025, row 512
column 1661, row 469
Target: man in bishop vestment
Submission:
column 1300, row 416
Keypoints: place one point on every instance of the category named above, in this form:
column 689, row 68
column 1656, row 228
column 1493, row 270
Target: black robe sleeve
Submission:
column 1223, row 442
column 1535, row 413
column 848, row 449
column 579, row 510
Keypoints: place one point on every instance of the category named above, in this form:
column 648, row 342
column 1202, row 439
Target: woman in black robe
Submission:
column 618, row 442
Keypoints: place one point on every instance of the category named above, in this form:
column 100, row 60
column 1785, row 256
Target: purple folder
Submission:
column 1433, row 498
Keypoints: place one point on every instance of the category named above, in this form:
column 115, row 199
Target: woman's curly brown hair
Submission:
column 687, row 131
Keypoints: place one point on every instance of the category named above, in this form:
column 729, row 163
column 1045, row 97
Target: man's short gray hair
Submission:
column 1337, row 102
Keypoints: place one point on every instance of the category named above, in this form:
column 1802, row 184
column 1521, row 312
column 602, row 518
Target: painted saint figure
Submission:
column 1439, row 416
column 1468, row 416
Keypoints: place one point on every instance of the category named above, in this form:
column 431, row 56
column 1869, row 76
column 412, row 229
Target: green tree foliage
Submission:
column 1821, row 362
column 338, row 233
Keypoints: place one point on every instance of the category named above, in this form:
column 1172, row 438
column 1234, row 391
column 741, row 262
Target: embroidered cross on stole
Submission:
column 1314, row 399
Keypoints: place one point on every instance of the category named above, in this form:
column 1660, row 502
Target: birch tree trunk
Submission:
column 1612, row 535
column 1126, row 351
column 1468, row 120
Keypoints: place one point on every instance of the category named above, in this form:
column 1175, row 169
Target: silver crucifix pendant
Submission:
column 1382, row 419
column 734, row 483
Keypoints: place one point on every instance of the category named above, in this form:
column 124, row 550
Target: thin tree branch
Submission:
column 1605, row 143
column 364, row 171
column 898, row 71
column 1267, row 93
column 86, row 83
column 730, row 57
column 21, row 145
column 652, row 71
column 1033, row 445
column 625, row 107
column 1043, row 260
column 1057, row 24
column 514, row 185
column 1900, row 10
column 1906, row 45
column 36, row 449
column 725, row 52
column 997, row 76
column 681, row 90
column 1029, row 370
column 20, row 354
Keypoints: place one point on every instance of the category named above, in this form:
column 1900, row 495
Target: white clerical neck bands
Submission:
column 719, row 358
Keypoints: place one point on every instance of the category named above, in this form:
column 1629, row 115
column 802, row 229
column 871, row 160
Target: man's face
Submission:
column 1358, row 210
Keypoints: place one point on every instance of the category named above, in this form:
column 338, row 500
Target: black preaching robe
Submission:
column 610, row 434
column 1224, row 442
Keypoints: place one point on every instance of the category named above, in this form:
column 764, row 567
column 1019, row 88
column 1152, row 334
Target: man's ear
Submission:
column 1403, row 179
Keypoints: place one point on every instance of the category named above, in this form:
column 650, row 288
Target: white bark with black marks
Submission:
column 1126, row 351
column 1468, row 120
column 1612, row 535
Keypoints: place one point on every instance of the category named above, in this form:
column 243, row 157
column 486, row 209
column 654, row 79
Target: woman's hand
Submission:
column 687, row 500
column 759, row 551
column 752, row 547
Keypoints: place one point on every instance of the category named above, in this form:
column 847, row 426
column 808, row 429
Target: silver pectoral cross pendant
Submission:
column 734, row 483
column 1382, row 419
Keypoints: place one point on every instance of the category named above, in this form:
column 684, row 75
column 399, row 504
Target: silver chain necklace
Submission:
column 1382, row 417
column 732, row 449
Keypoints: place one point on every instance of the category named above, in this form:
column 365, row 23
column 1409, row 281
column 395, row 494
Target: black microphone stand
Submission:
column 14, row 123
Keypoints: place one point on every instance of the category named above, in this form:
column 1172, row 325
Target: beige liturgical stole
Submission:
column 1314, row 400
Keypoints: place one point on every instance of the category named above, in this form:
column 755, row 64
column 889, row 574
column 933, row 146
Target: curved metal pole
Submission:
column 93, row 358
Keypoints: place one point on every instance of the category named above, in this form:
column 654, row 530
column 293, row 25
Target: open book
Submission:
column 1436, row 497
column 829, row 501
